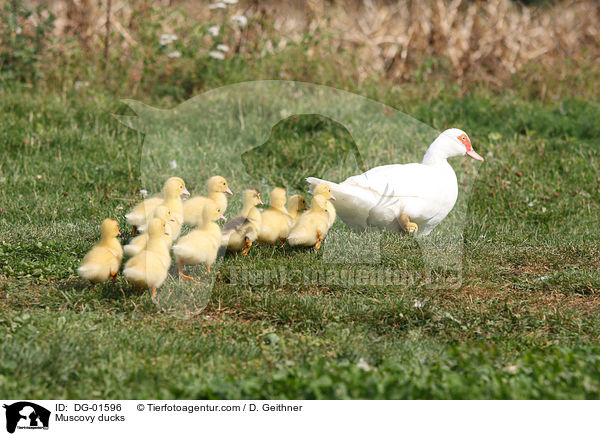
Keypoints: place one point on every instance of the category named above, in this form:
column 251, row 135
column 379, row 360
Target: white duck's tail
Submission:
column 352, row 202
column 313, row 182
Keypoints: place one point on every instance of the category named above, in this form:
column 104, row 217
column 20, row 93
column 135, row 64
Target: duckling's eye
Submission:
column 224, row 183
column 180, row 187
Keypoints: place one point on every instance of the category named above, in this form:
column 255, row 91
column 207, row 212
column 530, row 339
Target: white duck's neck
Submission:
column 436, row 154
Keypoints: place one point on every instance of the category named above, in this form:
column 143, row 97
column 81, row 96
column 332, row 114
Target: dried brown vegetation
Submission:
column 466, row 41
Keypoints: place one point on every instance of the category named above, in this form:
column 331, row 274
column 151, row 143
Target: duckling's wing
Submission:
column 235, row 224
column 192, row 210
column 142, row 212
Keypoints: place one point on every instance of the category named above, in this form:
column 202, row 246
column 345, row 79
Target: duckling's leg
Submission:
column 133, row 230
column 114, row 276
column 208, row 268
column 247, row 244
column 181, row 274
column 409, row 226
column 282, row 240
column 319, row 240
column 153, row 292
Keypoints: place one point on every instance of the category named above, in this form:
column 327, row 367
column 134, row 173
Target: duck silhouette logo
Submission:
column 218, row 132
column 26, row 415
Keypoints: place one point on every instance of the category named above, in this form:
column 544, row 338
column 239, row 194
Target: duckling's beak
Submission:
column 118, row 233
column 332, row 197
column 185, row 192
column 167, row 233
column 228, row 191
column 260, row 203
column 172, row 219
column 222, row 217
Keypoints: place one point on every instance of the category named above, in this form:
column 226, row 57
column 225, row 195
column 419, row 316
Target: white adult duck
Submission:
column 413, row 197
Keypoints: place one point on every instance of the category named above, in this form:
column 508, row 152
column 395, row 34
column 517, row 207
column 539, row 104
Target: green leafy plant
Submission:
column 25, row 33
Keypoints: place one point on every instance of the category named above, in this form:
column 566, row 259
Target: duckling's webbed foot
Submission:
column 407, row 225
column 282, row 241
column 181, row 274
column 319, row 240
column 247, row 244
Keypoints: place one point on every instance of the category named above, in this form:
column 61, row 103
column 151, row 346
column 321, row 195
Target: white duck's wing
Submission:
column 379, row 196
column 409, row 180
column 422, row 192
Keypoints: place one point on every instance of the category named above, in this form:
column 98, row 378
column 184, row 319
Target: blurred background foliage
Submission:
column 175, row 49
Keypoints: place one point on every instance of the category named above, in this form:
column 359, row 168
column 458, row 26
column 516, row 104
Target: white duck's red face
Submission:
column 464, row 139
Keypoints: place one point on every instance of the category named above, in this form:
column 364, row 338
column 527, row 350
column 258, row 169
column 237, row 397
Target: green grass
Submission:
column 66, row 163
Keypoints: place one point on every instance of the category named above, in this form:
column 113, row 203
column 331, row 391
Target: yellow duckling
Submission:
column 325, row 190
column 174, row 187
column 149, row 268
column 275, row 221
column 193, row 208
column 296, row 205
column 202, row 244
column 104, row 259
column 312, row 226
column 241, row 231
column 138, row 243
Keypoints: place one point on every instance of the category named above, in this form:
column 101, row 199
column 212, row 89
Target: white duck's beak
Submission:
column 474, row 155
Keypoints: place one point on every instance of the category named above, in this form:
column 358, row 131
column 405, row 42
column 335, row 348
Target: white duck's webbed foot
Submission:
column 407, row 225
